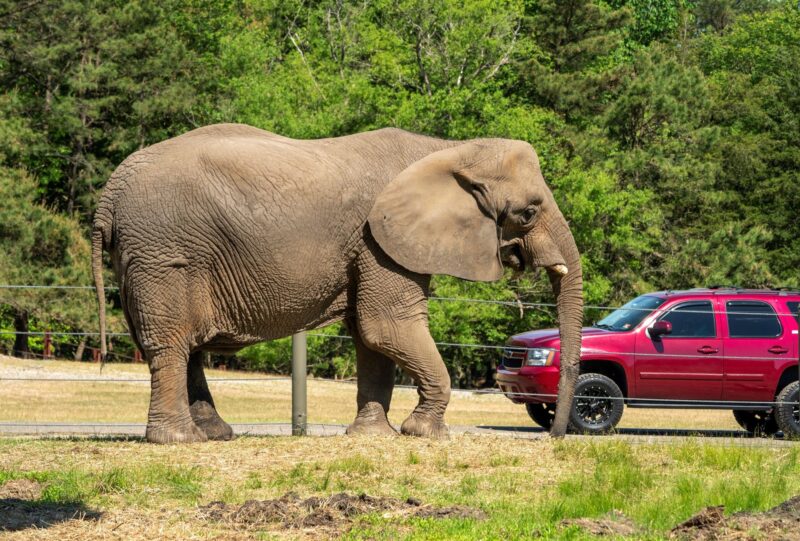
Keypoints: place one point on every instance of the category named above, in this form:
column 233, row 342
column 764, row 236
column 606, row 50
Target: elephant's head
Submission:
column 466, row 210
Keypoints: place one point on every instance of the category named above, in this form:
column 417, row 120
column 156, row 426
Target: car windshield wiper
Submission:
column 603, row 326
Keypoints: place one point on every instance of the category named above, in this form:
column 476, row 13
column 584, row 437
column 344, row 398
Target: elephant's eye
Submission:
column 528, row 214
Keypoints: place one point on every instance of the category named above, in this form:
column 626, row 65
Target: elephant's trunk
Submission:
column 568, row 290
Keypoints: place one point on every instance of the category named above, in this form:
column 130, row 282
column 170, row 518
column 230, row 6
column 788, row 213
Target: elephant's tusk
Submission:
column 560, row 269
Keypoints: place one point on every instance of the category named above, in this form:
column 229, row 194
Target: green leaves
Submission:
column 669, row 130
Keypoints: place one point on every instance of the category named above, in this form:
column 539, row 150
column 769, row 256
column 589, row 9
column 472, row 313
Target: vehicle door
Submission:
column 685, row 364
column 757, row 348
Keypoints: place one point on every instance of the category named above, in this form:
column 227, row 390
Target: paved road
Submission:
column 136, row 431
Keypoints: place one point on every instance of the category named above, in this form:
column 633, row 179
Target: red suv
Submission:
column 718, row 347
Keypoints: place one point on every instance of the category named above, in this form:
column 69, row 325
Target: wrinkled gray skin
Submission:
column 229, row 235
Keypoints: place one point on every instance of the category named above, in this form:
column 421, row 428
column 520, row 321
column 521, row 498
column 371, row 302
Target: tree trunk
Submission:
column 21, row 348
column 80, row 349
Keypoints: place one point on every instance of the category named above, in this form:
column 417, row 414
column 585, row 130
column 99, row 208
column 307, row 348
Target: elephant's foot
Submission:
column 425, row 426
column 371, row 420
column 208, row 420
column 372, row 428
column 188, row 433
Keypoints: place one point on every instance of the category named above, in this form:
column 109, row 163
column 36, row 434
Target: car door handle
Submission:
column 778, row 350
column 706, row 350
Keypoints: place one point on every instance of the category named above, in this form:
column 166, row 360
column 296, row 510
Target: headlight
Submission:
column 540, row 357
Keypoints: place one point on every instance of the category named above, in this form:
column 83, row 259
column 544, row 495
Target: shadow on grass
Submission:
column 675, row 432
column 18, row 514
column 106, row 438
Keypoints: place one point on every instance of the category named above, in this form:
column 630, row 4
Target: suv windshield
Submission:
column 627, row 317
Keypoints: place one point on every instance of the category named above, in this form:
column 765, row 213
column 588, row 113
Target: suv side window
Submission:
column 752, row 319
column 793, row 307
column 691, row 320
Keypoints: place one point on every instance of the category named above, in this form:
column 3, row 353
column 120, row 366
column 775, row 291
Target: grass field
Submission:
column 525, row 488
column 127, row 489
column 328, row 402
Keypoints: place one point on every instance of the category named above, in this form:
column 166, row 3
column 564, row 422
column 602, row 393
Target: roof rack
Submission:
column 782, row 289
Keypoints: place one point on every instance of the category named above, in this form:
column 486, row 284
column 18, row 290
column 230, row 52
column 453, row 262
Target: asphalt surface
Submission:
column 646, row 436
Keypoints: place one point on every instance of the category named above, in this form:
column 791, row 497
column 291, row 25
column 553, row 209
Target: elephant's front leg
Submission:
column 411, row 346
column 375, row 385
column 201, row 405
column 169, row 419
column 392, row 314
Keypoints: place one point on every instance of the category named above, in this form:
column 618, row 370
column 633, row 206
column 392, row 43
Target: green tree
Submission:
column 575, row 64
column 96, row 82
column 754, row 70
column 39, row 246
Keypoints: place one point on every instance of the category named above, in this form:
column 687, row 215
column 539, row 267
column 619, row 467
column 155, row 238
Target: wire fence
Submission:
column 504, row 348
column 519, row 396
column 508, row 303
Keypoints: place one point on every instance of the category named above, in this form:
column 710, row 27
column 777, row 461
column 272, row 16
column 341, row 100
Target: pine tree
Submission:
column 576, row 66
column 96, row 81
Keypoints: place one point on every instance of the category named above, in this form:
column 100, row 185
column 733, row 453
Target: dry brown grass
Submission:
column 263, row 401
column 250, row 468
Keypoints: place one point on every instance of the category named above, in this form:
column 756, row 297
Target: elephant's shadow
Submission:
column 18, row 514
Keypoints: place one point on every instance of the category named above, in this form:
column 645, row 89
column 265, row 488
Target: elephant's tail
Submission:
column 97, row 272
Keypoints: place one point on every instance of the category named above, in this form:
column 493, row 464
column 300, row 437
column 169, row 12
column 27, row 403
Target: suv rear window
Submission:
column 691, row 320
column 752, row 319
column 793, row 307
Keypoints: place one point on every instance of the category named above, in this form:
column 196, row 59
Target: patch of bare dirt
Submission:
column 779, row 523
column 613, row 524
column 23, row 489
column 334, row 512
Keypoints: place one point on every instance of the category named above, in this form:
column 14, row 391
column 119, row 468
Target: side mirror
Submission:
column 659, row 329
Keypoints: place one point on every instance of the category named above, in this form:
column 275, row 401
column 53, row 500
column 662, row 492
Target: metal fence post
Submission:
column 299, row 414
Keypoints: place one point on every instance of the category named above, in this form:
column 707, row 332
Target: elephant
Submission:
column 229, row 235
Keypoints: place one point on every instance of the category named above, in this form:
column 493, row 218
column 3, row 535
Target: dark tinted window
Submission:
column 752, row 319
column 629, row 316
column 691, row 319
column 793, row 307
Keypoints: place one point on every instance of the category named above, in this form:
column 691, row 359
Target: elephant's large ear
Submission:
column 429, row 220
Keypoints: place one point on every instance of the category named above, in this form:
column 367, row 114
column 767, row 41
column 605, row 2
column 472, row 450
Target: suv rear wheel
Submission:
column 598, row 405
column 787, row 411
column 542, row 414
column 757, row 422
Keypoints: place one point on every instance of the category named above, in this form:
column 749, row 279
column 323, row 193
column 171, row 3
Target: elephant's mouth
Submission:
column 511, row 256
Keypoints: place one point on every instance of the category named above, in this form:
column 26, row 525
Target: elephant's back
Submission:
column 246, row 214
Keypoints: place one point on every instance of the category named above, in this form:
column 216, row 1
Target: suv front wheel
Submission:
column 598, row 405
column 787, row 410
column 542, row 414
column 757, row 422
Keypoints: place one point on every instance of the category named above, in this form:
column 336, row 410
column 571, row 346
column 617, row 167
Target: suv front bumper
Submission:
column 539, row 381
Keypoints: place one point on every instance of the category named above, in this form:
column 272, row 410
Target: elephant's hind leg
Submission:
column 201, row 405
column 375, row 384
column 169, row 419
column 156, row 300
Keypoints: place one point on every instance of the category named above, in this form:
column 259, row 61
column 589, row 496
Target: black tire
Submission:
column 542, row 414
column 787, row 411
column 599, row 413
column 757, row 422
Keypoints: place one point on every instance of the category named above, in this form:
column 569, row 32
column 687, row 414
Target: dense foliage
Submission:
column 668, row 129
